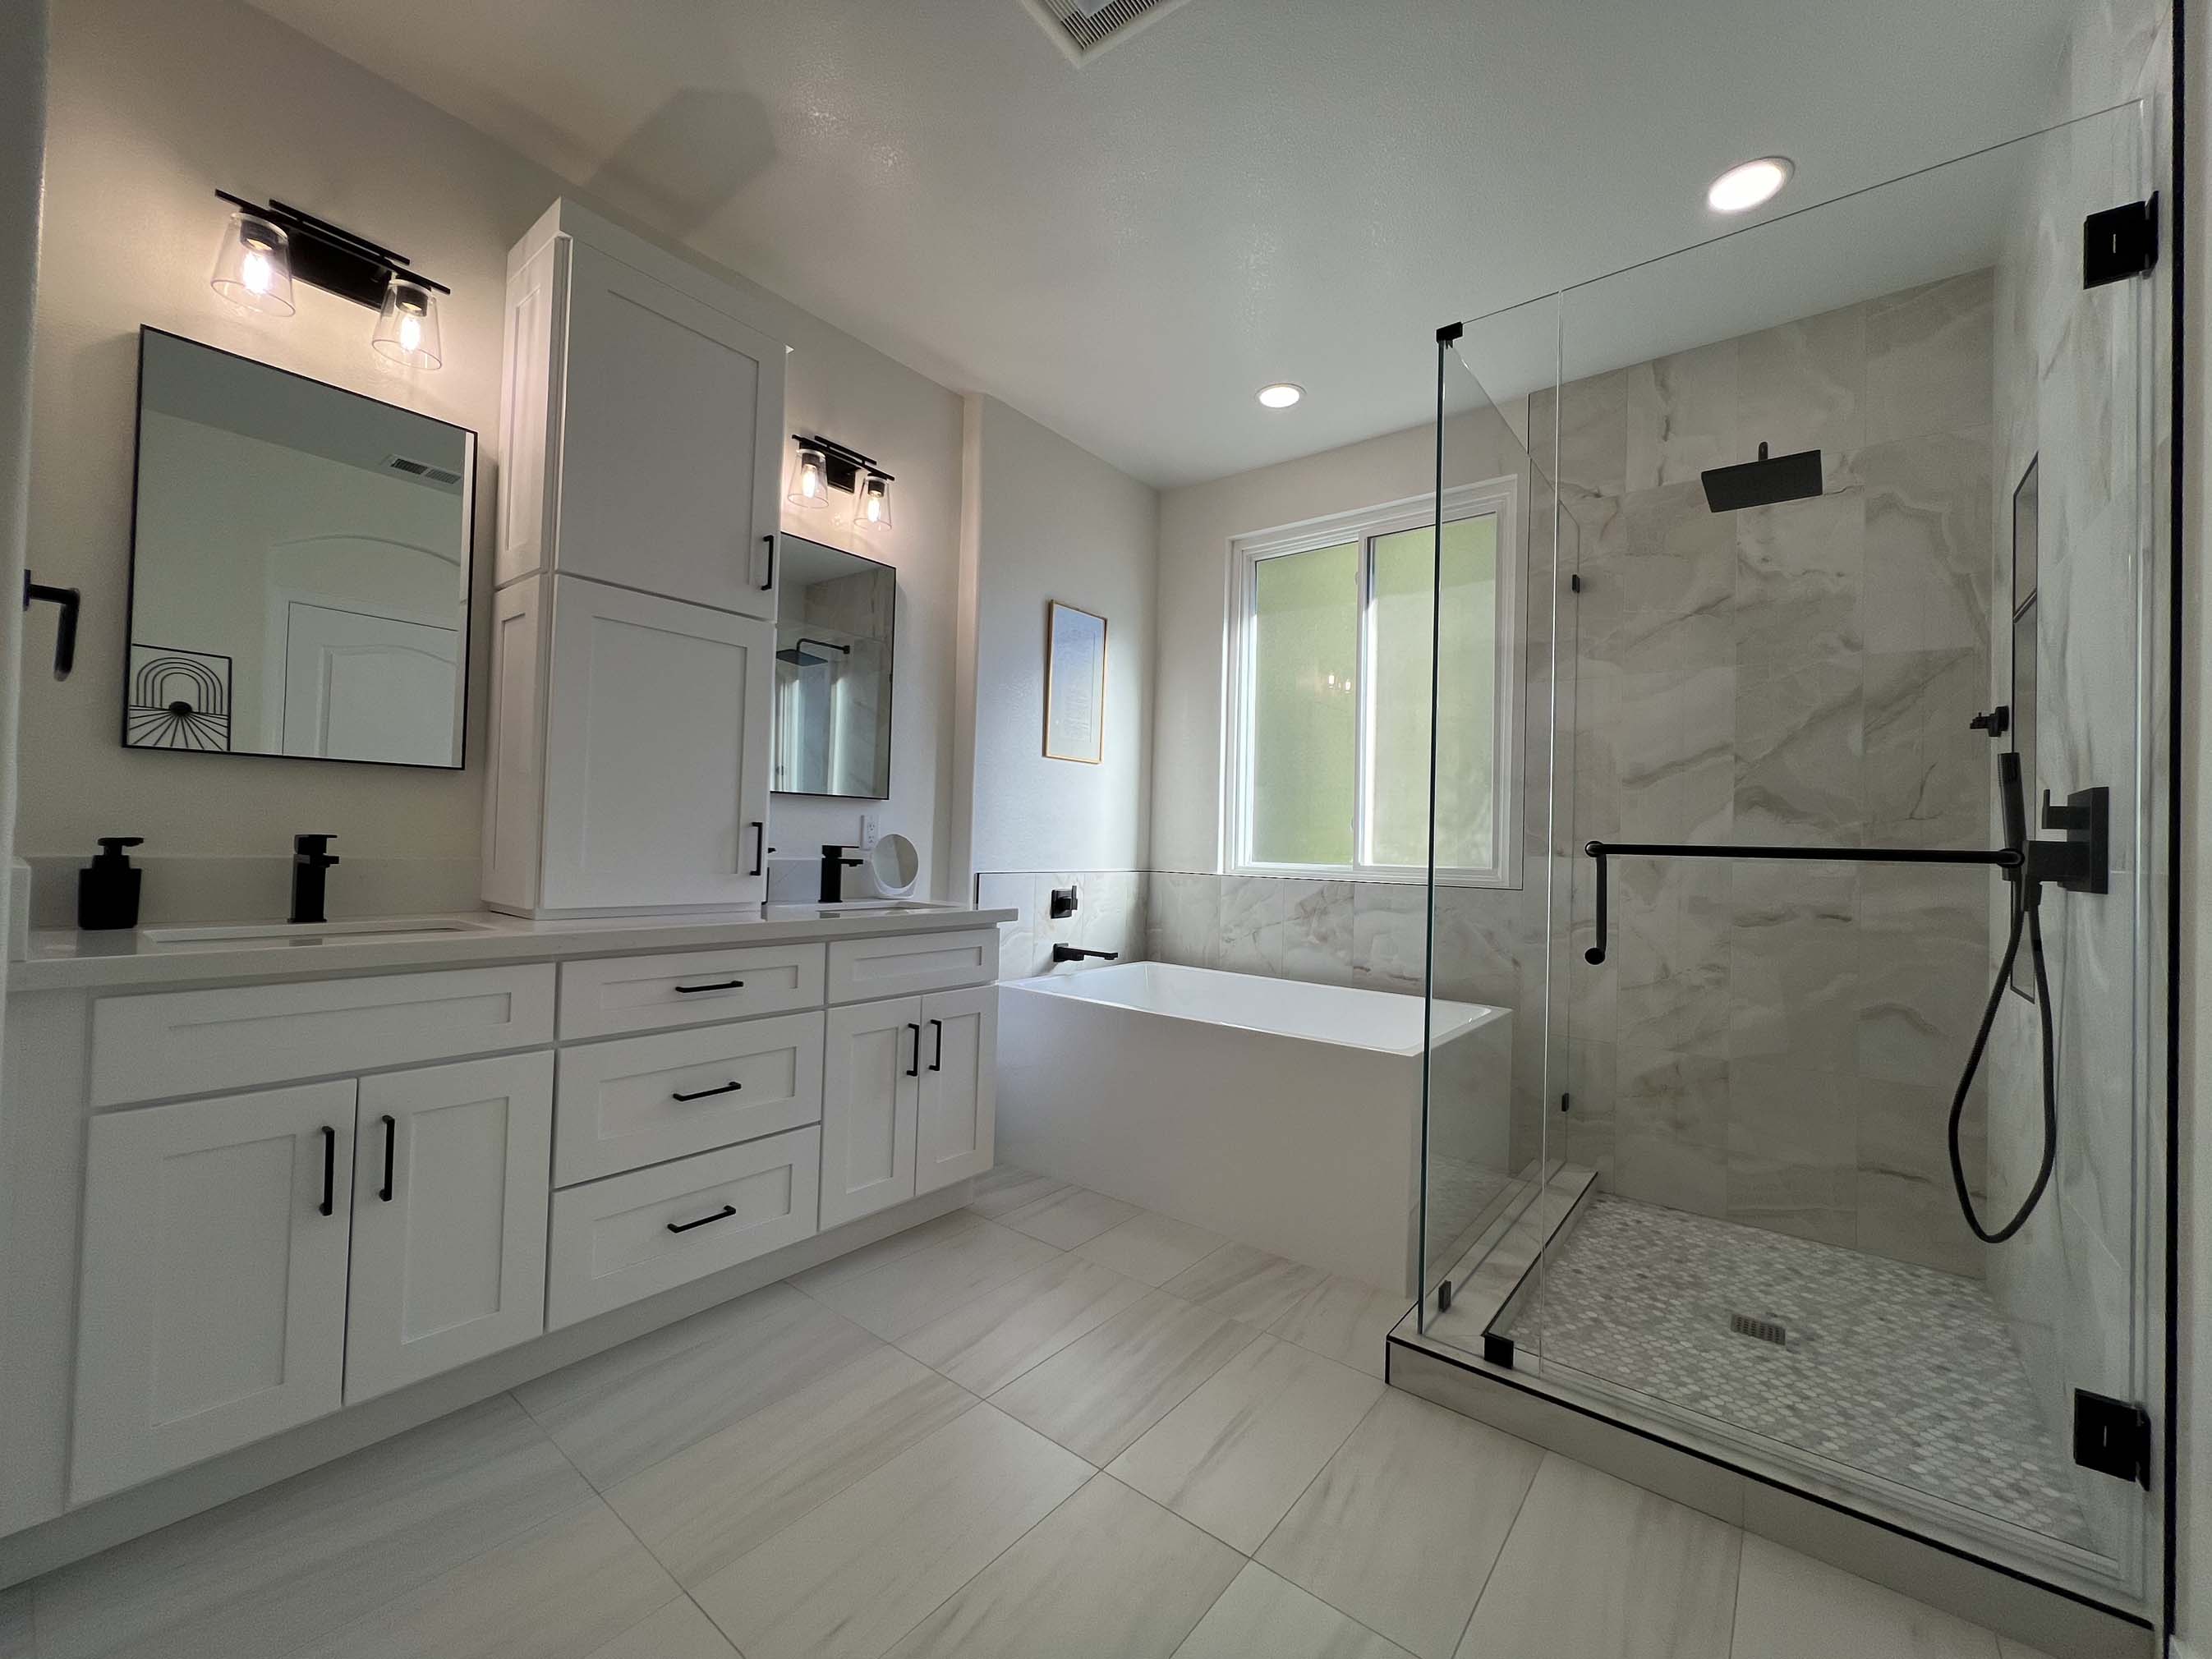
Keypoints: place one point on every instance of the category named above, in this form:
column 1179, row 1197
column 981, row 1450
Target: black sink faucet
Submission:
column 834, row 864
column 1076, row 953
column 311, row 856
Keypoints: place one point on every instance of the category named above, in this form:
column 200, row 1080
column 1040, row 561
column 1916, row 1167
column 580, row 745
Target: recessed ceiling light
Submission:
column 1281, row 395
column 1745, row 186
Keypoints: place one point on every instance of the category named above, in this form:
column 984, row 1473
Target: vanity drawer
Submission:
column 633, row 1235
column 862, row 969
column 189, row 1042
column 622, row 1103
column 614, row 994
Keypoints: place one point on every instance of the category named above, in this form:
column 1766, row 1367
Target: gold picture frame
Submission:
column 1074, row 684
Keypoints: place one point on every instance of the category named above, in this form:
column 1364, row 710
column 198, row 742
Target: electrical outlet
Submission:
column 867, row 831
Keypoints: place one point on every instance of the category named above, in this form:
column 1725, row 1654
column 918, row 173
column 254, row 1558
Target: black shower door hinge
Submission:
column 2111, row 1437
column 1576, row 583
column 2119, row 243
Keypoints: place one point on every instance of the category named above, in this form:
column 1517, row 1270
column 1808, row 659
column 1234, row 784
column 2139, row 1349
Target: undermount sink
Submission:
column 307, row 932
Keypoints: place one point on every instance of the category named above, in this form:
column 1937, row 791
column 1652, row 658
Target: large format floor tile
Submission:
column 1097, row 1395
column 1401, row 1527
column 1152, row 1248
column 1065, row 1218
column 1234, row 1457
column 622, row 1410
column 908, row 1292
column 271, row 1572
column 991, row 1341
column 1008, row 1189
column 1109, row 1575
column 1652, row 1580
column 861, row 1571
column 700, row 1510
column 677, row 1631
column 853, row 1264
column 1347, row 1320
column 1260, row 1613
column 15, row 1623
column 1791, row 1606
column 1246, row 1284
column 560, row 1591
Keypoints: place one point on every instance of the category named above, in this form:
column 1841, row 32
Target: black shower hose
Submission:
column 2027, row 908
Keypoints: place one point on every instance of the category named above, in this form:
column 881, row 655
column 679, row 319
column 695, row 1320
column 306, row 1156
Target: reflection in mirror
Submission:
column 300, row 566
column 833, row 672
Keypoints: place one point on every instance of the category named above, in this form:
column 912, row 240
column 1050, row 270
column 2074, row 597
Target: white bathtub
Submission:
column 1282, row 1114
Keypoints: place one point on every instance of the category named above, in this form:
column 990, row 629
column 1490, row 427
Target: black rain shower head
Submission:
column 1764, row 482
column 798, row 656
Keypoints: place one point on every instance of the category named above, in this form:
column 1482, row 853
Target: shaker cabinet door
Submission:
column 672, row 448
column 213, row 1303
column 449, row 1203
column 871, row 1092
column 656, row 753
column 959, row 1101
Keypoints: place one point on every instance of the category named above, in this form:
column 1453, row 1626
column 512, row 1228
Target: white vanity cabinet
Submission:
column 907, row 1098
column 634, row 631
column 255, row 1261
column 213, row 1310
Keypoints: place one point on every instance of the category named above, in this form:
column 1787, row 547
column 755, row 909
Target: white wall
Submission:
column 1197, row 523
column 1051, row 521
column 155, row 104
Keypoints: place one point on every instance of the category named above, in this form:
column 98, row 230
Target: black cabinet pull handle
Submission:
column 700, row 1094
column 937, row 1064
column 722, row 984
column 770, row 582
column 329, row 1170
column 915, row 1070
column 760, row 848
column 390, row 1135
column 722, row 1215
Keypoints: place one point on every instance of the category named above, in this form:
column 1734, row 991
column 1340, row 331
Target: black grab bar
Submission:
column 2004, row 858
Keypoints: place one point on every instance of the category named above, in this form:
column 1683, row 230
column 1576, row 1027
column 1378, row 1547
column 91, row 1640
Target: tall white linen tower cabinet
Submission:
column 634, row 630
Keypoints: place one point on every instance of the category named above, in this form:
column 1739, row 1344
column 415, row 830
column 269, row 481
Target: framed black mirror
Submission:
column 836, row 614
column 298, row 567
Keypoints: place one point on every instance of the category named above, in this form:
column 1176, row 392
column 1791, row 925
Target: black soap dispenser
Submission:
column 107, row 888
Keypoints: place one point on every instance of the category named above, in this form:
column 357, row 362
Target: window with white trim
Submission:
column 1327, row 744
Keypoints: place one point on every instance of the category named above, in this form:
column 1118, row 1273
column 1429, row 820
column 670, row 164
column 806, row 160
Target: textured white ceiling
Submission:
column 1248, row 190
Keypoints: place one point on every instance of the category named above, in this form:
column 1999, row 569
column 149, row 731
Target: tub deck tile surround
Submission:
column 772, row 1469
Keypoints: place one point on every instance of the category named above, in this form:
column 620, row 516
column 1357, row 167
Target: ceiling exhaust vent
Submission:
column 422, row 469
column 1083, row 28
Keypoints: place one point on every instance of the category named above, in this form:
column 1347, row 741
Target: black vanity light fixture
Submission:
column 825, row 464
column 265, row 249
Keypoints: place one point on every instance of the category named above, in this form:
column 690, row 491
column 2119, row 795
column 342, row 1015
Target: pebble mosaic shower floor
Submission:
column 1895, row 1370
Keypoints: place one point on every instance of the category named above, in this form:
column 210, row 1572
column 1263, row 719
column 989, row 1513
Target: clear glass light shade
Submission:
column 407, row 327
column 810, row 485
column 872, row 506
column 253, row 266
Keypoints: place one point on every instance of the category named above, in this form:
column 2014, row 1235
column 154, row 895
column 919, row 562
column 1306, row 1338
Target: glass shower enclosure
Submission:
column 1834, row 543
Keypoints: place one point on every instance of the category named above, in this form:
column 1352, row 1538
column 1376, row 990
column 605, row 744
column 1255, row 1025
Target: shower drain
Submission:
column 1766, row 1330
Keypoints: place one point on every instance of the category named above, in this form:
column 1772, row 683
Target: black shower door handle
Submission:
column 915, row 1070
column 329, row 1170
column 722, row 1215
column 937, row 1064
column 390, row 1139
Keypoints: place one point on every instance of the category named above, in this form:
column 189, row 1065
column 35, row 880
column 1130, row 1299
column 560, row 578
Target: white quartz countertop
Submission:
column 66, row 959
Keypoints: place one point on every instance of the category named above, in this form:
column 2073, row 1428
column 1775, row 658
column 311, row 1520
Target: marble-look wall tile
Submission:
column 1682, row 417
column 1676, row 746
column 1794, row 978
column 1806, row 1201
column 1109, row 915
column 1927, row 770
column 1252, row 909
column 1931, row 550
column 1317, row 932
column 1800, row 573
column 1802, row 385
column 1925, row 968
column 1799, row 744
column 1389, row 935
column 1186, row 918
column 1927, row 352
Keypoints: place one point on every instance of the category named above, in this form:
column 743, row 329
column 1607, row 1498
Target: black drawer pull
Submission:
column 391, row 1135
column 700, row 1094
column 722, row 1215
column 915, row 1070
column 937, row 1064
column 329, row 1170
column 726, row 985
